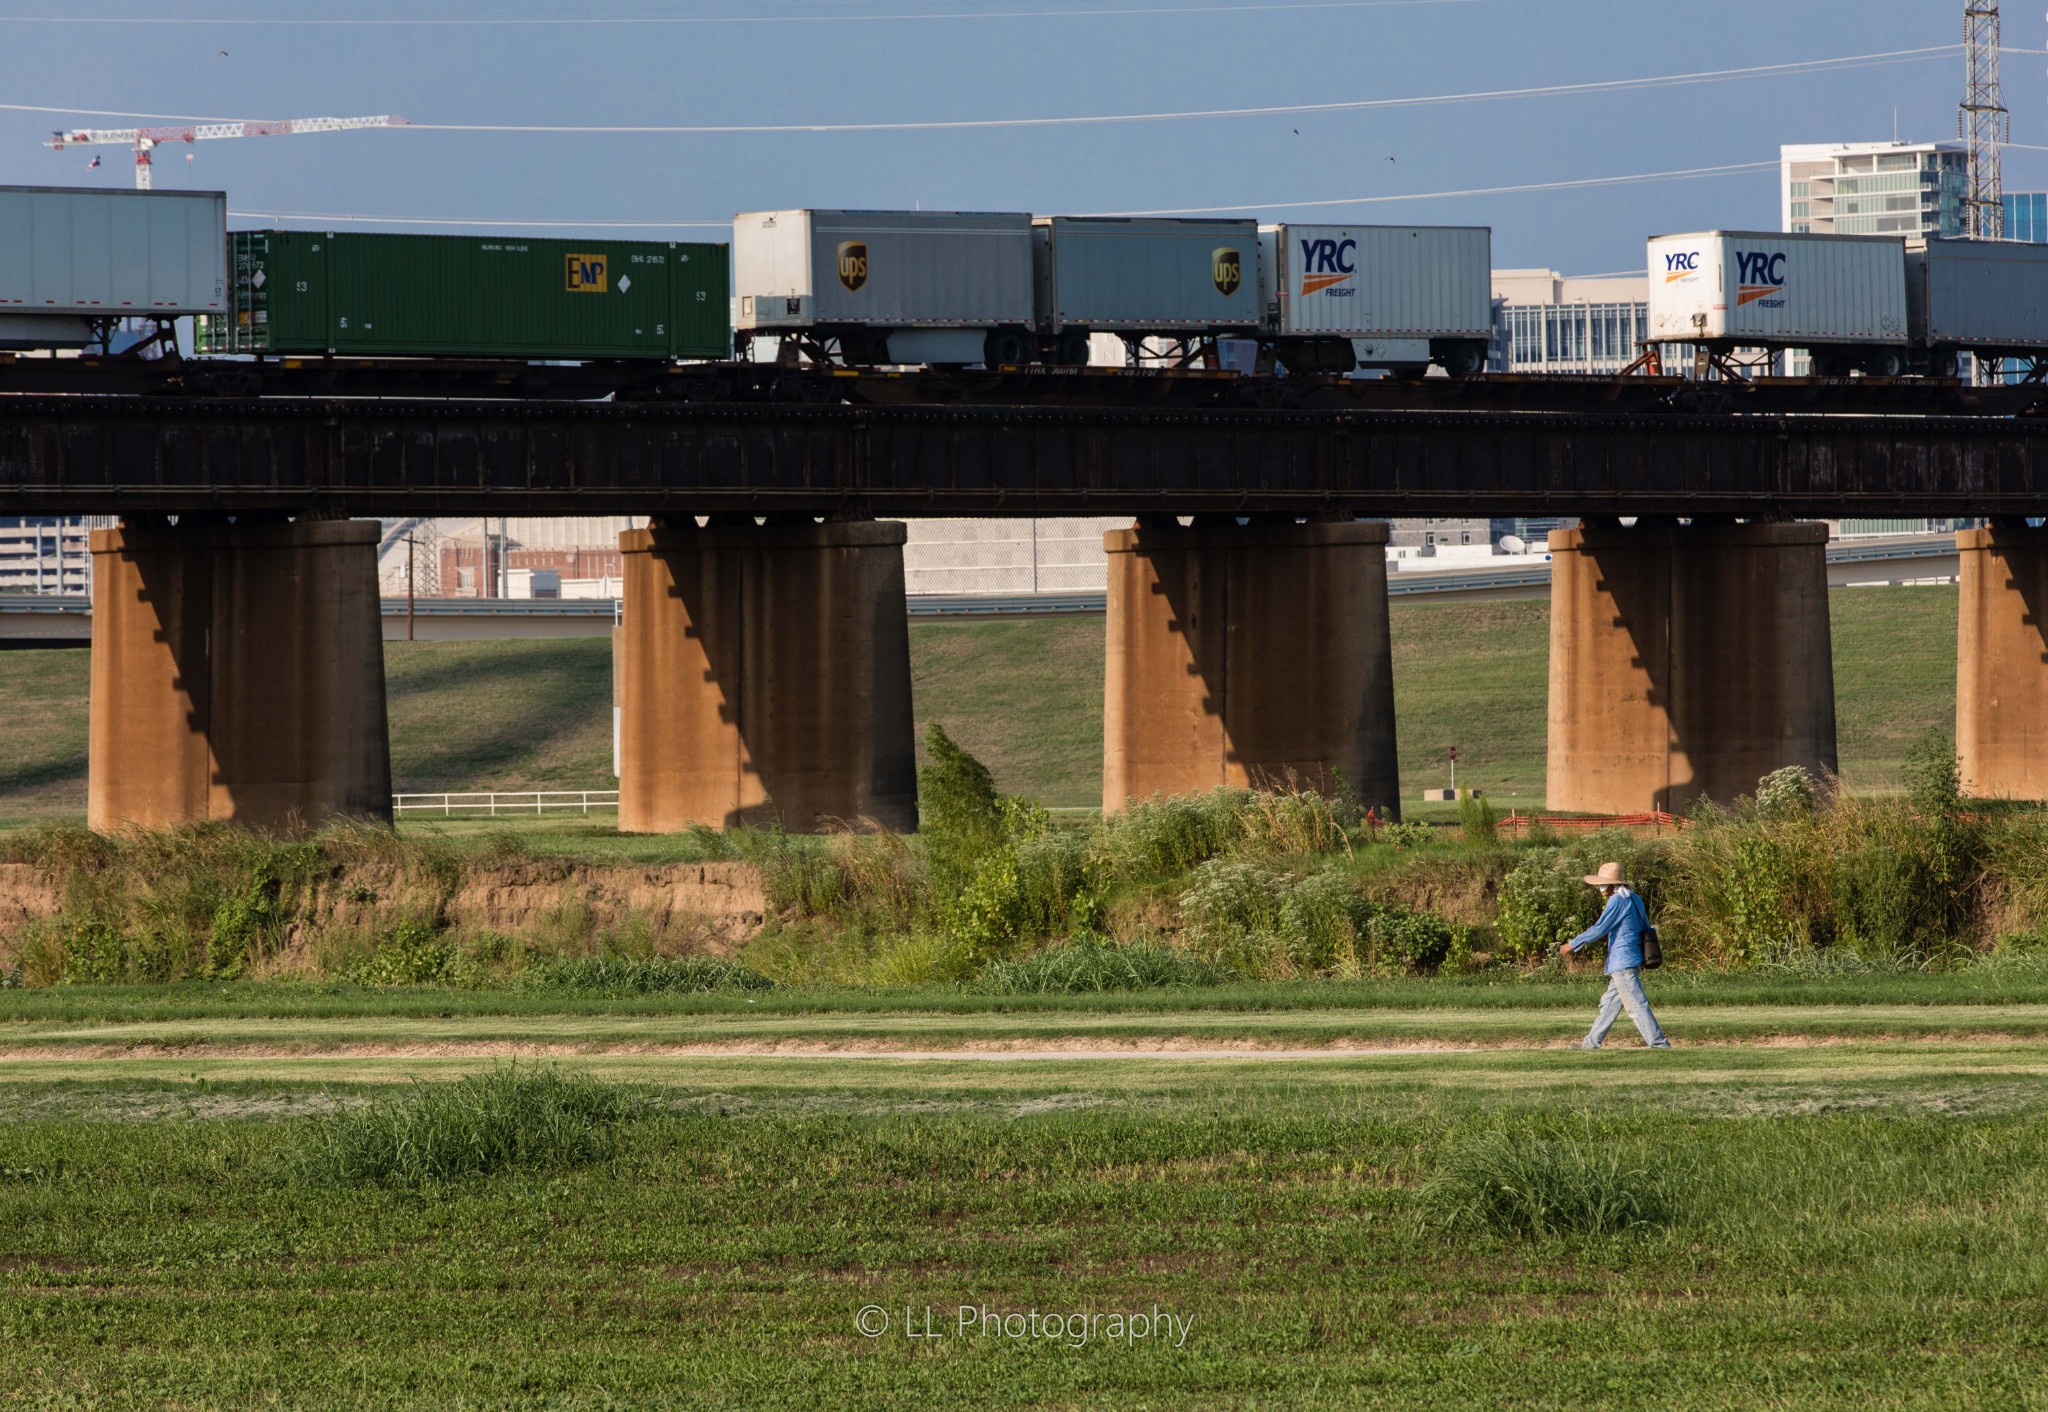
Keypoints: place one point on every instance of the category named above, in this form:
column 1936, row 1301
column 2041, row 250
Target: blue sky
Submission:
column 893, row 61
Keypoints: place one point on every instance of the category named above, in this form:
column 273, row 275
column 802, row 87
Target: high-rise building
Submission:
column 1875, row 188
column 2026, row 216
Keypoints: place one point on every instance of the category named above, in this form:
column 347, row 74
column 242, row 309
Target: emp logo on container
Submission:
column 853, row 263
column 1683, row 266
column 585, row 274
column 1760, row 278
column 1326, row 264
column 1226, row 268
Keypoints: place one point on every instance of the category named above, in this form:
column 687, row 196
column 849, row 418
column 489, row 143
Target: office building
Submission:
column 1875, row 188
column 2026, row 216
column 1544, row 322
column 46, row 554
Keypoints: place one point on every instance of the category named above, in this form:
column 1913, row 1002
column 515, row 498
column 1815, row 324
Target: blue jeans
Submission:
column 1625, row 992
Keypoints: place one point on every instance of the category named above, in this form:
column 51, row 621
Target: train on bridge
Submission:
column 862, row 290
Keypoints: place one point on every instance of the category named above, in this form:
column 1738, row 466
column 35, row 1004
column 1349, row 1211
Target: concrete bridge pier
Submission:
column 237, row 674
column 764, row 675
column 2002, row 662
column 1248, row 655
column 1686, row 660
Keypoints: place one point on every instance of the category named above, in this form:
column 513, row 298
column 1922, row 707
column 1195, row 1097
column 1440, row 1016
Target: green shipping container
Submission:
column 459, row 296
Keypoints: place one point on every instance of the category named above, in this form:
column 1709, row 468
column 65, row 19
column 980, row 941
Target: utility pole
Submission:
column 1983, row 120
column 411, row 577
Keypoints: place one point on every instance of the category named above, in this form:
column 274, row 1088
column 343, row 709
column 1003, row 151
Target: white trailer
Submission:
column 1987, row 297
column 1337, row 297
column 1842, row 297
column 888, row 286
column 76, row 262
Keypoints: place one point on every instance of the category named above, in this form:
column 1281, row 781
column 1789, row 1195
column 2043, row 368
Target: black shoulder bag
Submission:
column 1653, row 952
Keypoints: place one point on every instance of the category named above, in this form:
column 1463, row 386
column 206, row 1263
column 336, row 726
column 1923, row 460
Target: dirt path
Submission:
column 998, row 1050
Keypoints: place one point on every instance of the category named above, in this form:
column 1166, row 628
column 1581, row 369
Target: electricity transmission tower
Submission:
column 1983, row 120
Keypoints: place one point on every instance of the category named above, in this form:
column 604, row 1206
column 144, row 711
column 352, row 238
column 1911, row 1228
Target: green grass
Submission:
column 1852, row 1226
column 1024, row 697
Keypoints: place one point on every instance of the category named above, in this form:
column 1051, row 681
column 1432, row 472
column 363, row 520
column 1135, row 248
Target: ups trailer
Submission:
column 1841, row 297
column 75, row 263
column 1985, row 297
column 867, row 287
column 1185, row 281
column 369, row 294
column 1335, row 298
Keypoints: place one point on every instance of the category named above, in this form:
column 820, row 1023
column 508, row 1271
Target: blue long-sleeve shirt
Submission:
column 1621, row 924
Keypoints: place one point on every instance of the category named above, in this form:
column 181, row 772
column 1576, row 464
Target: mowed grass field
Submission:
column 1817, row 1209
column 1026, row 697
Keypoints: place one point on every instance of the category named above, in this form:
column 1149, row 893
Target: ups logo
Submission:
column 1226, row 267
column 853, row 263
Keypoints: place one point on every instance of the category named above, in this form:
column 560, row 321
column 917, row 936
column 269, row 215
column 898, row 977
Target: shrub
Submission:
column 989, row 913
column 1531, row 1186
column 1786, row 794
column 1541, row 908
column 1476, row 819
column 646, row 976
column 410, row 955
column 1230, row 912
column 1399, row 942
column 960, row 816
column 1166, row 837
column 1321, row 920
column 509, row 1119
column 1291, row 824
column 95, row 954
column 1086, row 966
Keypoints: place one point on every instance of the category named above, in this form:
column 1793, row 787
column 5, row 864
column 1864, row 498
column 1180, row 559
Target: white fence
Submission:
column 527, row 801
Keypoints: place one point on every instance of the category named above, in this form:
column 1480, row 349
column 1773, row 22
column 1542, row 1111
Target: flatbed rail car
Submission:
column 370, row 293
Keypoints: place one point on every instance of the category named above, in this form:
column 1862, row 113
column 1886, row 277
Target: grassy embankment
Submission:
column 1025, row 697
column 1837, row 1227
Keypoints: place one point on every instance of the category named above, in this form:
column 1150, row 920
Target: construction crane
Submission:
column 145, row 139
column 1984, row 120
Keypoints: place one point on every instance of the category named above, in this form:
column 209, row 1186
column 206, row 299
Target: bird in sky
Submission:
column 223, row 53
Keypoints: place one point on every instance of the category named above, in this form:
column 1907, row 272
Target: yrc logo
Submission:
column 1760, row 278
column 1683, row 266
column 1226, row 267
column 853, row 263
column 1326, row 264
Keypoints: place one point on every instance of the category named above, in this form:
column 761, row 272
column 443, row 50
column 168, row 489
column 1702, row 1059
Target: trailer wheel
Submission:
column 1463, row 360
column 1005, row 347
column 1884, row 363
column 1072, row 348
column 1944, row 363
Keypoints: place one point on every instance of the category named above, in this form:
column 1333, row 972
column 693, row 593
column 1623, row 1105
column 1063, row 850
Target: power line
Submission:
column 1105, row 12
column 1677, row 174
column 1622, row 85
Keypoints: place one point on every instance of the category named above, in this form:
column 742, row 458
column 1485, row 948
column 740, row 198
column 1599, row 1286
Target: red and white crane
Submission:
column 144, row 139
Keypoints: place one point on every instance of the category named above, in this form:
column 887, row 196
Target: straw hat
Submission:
column 1608, row 876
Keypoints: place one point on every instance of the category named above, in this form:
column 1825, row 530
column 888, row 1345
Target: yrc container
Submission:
column 1765, row 289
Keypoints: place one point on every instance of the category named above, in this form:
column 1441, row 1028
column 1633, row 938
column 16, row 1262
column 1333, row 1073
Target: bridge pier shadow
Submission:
column 1686, row 660
column 764, row 677
column 237, row 674
column 1248, row 655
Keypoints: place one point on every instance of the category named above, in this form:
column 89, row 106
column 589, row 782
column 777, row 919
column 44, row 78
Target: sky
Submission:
column 867, row 64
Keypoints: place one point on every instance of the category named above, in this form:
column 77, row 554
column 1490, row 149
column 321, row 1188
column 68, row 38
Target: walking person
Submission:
column 1622, row 924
